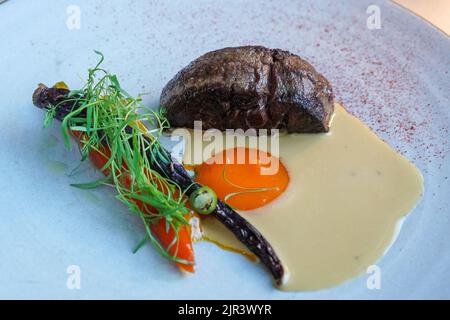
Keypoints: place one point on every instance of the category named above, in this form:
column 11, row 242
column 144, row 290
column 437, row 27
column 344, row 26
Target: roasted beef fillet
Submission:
column 249, row 87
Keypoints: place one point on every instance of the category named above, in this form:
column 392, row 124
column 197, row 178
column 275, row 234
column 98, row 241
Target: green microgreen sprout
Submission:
column 49, row 115
column 110, row 117
column 245, row 190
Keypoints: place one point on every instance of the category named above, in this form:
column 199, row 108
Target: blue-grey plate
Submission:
column 395, row 78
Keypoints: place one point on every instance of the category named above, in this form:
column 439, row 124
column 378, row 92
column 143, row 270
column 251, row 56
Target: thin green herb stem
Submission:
column 106, row 113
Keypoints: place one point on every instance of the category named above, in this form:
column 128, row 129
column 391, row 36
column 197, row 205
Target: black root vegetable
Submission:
column 45, row 97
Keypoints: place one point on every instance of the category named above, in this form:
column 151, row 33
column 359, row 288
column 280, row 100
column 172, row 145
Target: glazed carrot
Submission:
column 108, row 115
column 64, row 105
column 183, row 248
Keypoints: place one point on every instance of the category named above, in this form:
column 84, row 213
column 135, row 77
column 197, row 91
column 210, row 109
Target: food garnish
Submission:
column 204, row 200
column 250, row 87
column 110, row 126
